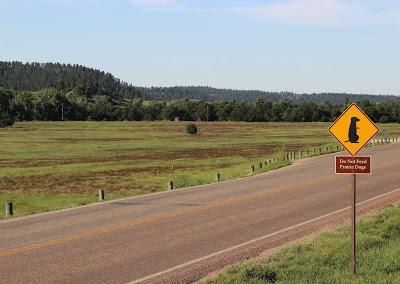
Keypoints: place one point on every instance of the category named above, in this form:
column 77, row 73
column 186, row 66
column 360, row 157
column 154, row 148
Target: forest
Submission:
column 55, row 91
column 89, row 82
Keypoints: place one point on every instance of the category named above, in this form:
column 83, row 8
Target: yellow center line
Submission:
column 162, row 216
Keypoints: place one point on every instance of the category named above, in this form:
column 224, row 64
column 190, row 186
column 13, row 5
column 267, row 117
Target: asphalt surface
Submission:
column 181, row 236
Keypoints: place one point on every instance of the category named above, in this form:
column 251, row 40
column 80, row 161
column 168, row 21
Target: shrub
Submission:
column 6, row 123
column 191, row 128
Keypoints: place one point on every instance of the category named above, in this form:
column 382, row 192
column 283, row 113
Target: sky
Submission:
column 301, row 46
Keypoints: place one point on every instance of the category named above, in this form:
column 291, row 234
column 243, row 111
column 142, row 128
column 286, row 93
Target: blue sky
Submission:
column 290, row 45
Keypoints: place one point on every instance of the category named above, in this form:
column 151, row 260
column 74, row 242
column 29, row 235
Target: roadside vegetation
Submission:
column 325, row 259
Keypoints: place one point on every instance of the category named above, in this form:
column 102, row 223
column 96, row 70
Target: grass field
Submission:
column 50, row 165
column 326, row 258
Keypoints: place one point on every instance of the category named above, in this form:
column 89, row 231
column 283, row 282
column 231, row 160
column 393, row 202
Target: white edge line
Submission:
column 256, row 240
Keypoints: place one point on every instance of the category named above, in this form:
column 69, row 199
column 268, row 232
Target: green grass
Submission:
column 326, row 258
column 51, row 165
column 43, row 202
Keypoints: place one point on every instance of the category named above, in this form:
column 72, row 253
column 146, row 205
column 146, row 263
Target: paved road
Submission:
column 182, row 235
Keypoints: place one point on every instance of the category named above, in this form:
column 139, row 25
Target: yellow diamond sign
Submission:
column 353, row 129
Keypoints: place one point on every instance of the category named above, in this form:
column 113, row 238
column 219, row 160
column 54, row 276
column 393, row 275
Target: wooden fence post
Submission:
column 9, row 209
column 101, row 195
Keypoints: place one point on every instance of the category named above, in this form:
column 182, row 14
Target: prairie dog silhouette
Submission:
column 353, row 137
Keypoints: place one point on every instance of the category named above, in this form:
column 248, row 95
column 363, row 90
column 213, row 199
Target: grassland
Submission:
column 50, row 165
column 326, row 258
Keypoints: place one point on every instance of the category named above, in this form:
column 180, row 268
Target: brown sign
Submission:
column 353, row 165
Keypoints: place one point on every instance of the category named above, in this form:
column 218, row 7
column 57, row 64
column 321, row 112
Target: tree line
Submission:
column 250, row 96
column 53, row 104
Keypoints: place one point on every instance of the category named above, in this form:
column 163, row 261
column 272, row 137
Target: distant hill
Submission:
column 213, row 94
column 87, row 82
column 91, row 82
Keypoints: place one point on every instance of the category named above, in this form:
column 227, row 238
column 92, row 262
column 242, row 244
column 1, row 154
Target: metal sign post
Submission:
column 353, row 166
column 353, row 227
column 353, row 129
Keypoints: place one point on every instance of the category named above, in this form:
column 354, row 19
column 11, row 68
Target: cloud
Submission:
column 303, row 12
column 308, row 13
column 156, row 4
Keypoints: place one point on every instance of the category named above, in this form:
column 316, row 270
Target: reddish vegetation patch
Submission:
column 58, row 184
column 233, row 128
column 92, row 140
column 87, row 182
column 249, row 151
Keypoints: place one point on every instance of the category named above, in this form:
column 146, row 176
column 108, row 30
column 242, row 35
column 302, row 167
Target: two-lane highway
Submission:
column 182, row 235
